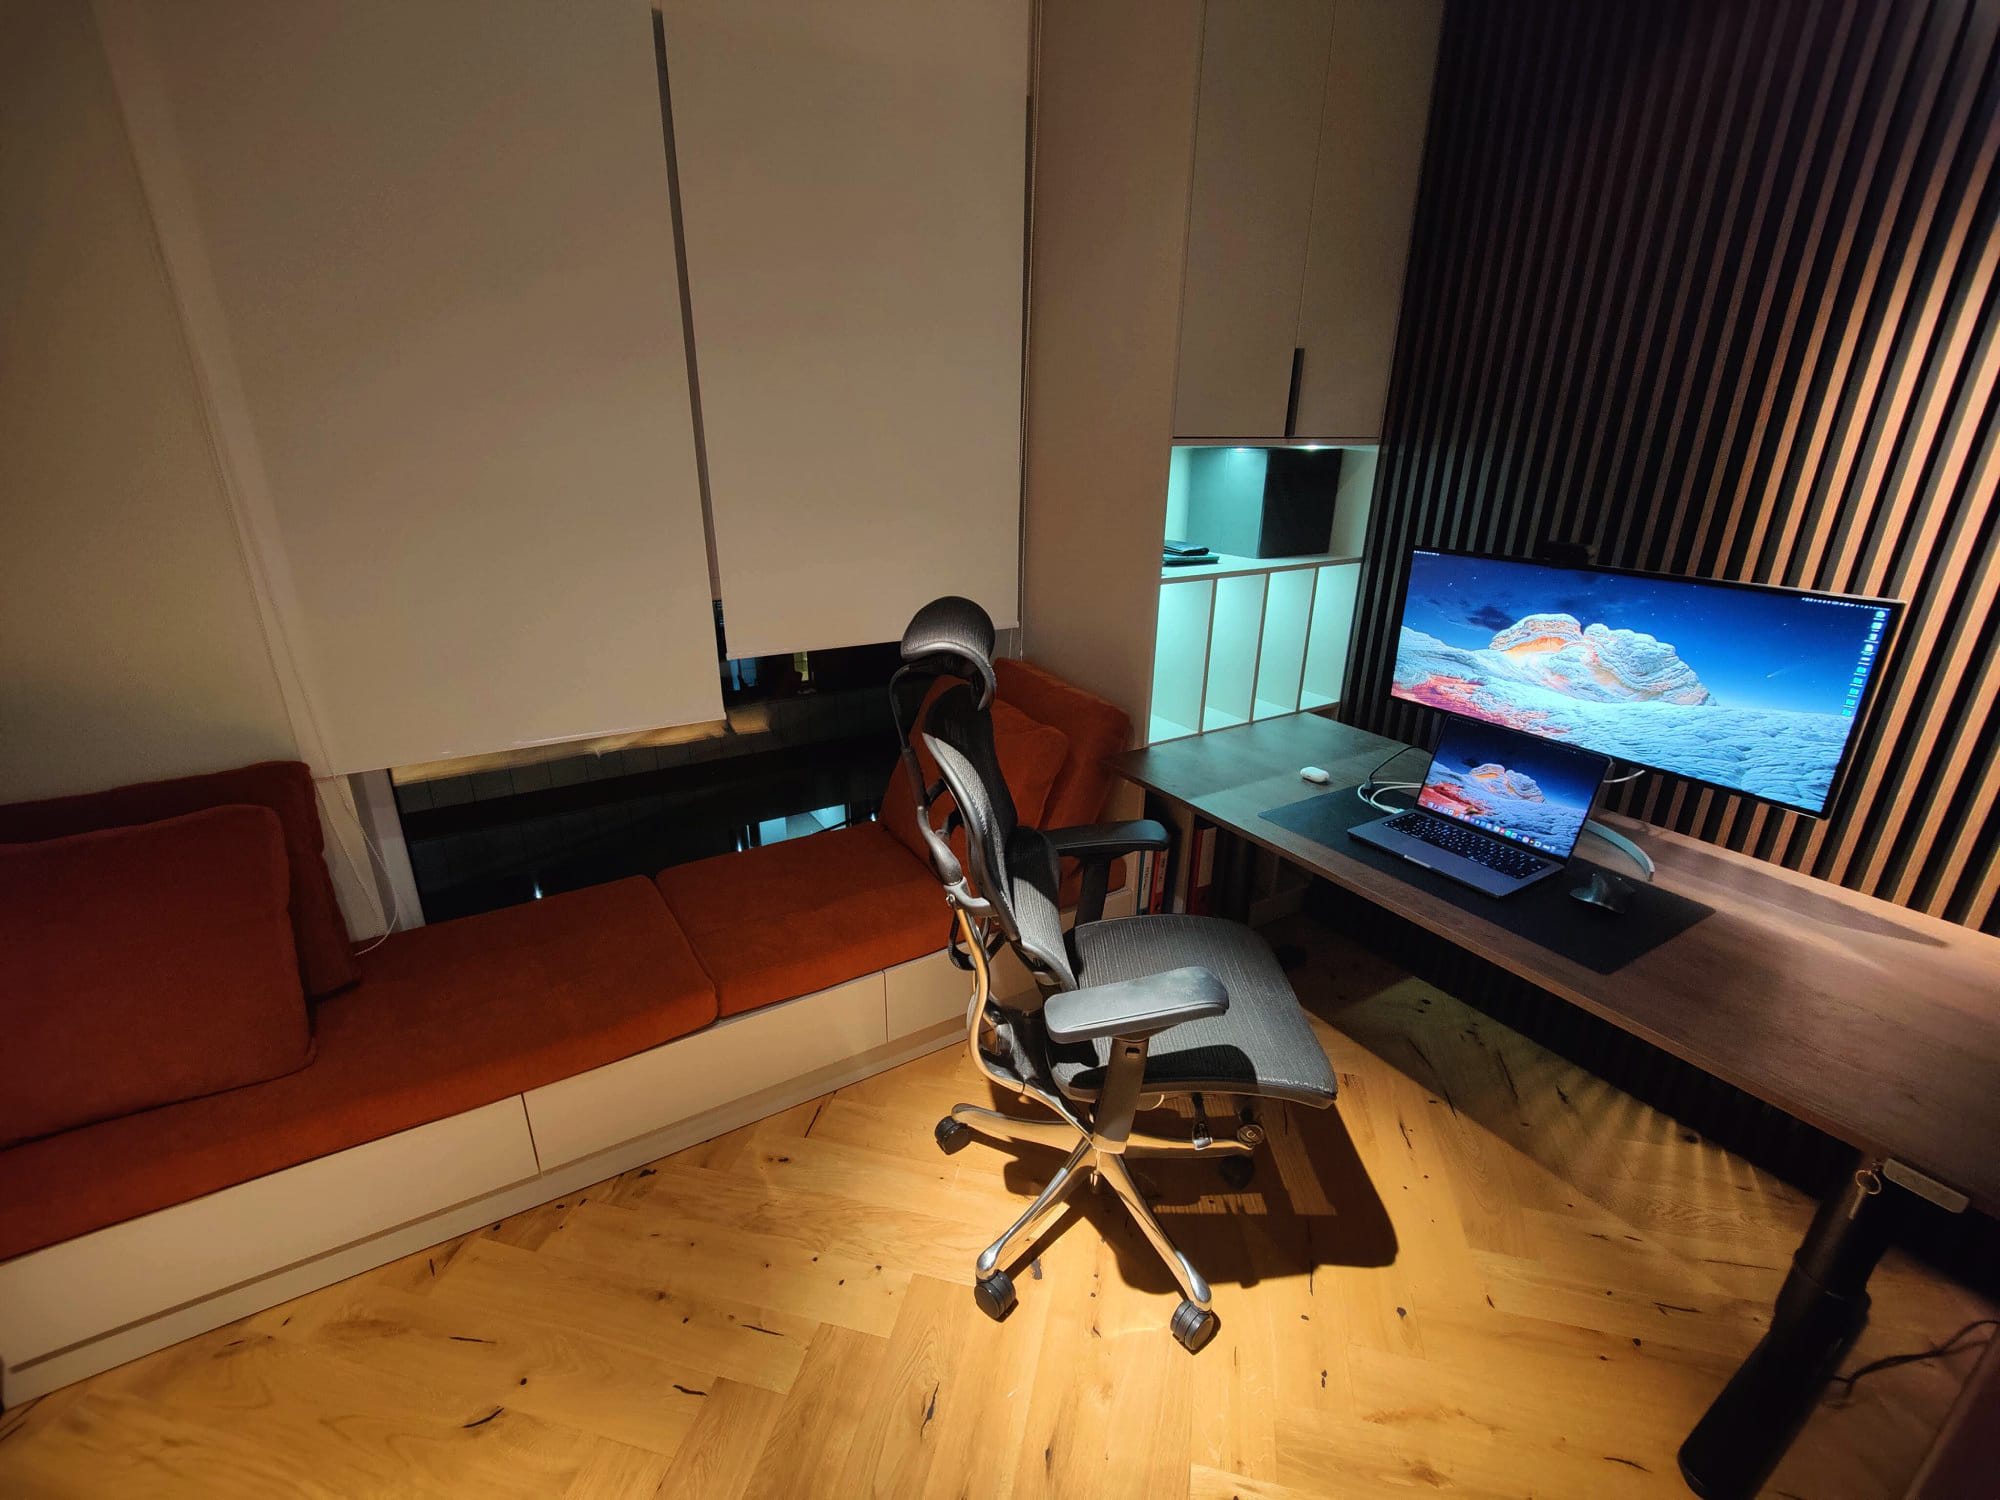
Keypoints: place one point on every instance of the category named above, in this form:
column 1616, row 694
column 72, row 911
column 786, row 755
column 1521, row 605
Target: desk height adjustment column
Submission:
column 1820, row 1311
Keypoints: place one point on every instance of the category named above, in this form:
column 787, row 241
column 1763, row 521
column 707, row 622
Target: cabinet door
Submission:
column 1257, row 126
column 853, row 184
column 1371, row 146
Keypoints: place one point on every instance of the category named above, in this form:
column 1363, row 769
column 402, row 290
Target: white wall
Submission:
column 130, row 646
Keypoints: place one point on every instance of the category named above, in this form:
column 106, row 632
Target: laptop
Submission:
column 1498, row 810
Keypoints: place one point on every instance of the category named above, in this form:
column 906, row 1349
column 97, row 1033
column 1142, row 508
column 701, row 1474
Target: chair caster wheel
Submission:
column 1194, row 1326
column 1237, row 1171
column 995, row 1295
column 951, row 1134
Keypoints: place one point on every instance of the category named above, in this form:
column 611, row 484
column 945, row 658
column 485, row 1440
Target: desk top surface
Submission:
column 1878, row 1025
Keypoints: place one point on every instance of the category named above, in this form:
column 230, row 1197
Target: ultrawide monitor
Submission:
column 1747, row 688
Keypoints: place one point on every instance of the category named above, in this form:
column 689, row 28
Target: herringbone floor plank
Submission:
column 1487, row 1274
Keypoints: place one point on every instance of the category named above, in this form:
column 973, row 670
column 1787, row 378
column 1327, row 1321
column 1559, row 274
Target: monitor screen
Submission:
column 1747, row 688
column 1532, row 791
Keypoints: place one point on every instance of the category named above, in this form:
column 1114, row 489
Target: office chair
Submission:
column 1128, row 1011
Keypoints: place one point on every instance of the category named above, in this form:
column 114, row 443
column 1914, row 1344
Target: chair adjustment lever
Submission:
column 1202, row 1139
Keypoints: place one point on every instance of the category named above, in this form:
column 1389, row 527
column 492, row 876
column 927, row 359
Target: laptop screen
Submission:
column 1532, row 791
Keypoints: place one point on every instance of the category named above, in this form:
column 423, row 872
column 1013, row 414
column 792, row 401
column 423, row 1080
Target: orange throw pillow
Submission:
column 143, row 965
column 326, row 955
column 1031, row 756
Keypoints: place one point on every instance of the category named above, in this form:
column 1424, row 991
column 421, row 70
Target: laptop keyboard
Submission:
column 1443, row 834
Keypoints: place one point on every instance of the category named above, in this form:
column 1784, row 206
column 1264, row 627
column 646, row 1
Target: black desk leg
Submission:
column 1820, row 1310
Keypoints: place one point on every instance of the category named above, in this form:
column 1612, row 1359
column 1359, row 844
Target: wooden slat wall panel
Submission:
column 1711, row 288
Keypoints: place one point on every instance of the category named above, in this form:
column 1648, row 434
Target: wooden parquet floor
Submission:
column 1486, row 1274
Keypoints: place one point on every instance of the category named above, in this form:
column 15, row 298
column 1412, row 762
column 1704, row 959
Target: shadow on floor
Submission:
column 1309, row 1204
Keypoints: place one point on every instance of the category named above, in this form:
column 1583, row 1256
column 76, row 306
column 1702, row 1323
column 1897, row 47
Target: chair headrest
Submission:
column 953, row 636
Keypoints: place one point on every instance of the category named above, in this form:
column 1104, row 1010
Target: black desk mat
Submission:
column 1545, row 913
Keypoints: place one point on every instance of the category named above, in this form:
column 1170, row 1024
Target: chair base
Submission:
column 1103, row 1164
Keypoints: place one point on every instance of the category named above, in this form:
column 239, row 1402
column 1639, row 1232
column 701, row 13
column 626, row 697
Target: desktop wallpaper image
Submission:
column 1526, row 788
column 1732, row 686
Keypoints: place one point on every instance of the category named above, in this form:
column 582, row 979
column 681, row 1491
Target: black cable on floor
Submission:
column 1890, row 1361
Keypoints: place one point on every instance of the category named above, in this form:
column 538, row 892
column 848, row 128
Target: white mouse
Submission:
column 1314, row 774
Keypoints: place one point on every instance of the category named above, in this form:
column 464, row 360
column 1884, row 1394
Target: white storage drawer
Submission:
column 730, row 1060
column 924, row 992
column 52, row 1298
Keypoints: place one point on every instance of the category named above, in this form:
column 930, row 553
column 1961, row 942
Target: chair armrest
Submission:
column 1094, row 846
column 1134, row 1007
column 1107, row 840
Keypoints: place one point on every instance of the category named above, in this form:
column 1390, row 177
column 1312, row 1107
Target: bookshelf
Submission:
column 1246, row 638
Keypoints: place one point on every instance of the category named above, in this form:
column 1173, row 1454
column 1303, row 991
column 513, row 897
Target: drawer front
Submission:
column 734, row 1058
column 924, row 992
column 84, row 1287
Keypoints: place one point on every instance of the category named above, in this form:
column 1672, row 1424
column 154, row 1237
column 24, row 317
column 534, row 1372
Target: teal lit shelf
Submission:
column 1226, row 566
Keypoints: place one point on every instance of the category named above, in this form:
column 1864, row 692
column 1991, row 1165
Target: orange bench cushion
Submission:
column 445, row 1019
column 785, row 920
column 326, row 955
column 144, row 965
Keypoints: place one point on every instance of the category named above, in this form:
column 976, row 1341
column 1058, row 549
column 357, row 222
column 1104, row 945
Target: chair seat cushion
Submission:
column 1263, row 1045
column 144, row 965
column 785, row 920
column 446, row 1018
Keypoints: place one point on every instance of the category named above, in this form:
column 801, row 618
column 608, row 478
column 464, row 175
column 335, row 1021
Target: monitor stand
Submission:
column 1613, row 837
column 1622, row 844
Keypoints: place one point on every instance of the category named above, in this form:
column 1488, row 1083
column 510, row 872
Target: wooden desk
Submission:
column 1878, row 1025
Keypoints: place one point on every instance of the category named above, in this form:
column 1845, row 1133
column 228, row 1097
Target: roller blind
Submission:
column 852, row 191
column 427, row 257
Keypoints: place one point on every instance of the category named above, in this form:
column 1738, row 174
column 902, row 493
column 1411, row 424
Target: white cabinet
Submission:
column 1309, row 135
column 1257, row 129
column 1219, row 187
column 1371, row 147
column 853, row 181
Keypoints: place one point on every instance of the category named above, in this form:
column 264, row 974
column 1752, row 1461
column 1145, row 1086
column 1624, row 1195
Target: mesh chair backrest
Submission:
column 949, row 637
column 1012, row 863
column 959, row 735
